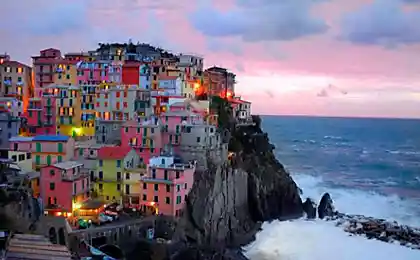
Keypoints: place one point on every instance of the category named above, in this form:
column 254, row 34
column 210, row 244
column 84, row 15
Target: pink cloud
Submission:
column 286, row 72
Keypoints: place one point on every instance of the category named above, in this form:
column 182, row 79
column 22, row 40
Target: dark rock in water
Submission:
column 326, row 207
column 379, row 229
column 309, row 207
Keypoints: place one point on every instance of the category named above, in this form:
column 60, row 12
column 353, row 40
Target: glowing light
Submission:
column 152, row 203
column 196, row 86
column 76, row 206
column 77, row 130
column 58, row 214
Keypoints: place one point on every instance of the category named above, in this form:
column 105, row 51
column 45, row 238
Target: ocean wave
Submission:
column 362, row 202
column 319, row 240
column 403, row 152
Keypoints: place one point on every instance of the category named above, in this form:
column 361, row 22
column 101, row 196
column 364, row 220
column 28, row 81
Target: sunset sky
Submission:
column 311, row 57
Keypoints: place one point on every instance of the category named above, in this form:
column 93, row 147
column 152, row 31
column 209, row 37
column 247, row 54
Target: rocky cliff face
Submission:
column 228, row 200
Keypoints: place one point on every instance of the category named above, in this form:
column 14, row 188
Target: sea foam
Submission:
column 312, row 240
column 320, row 240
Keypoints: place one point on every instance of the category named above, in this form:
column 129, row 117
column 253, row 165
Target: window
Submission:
column 59, row 158
column 154, row 173
column 177, row 174
column 178, row 188
column 185, row 185
column 52, row 186
column 48, row 159
column 100, row 175
column 118, row 175
column 156, row 199
column 52, row 172
column 127, row 189
column 100, row 186
column 68, row 76
column 74, row 187
column 60, row 147
column 119, row 163
column 144, row 186
column 37, row 159
column 166, row 175
column 14, row 158
column 101, row 163
column 168, row 200
column 125, row 104
column 28, row 156
column 178, row 199
column 118, row 187
column 156, row 187
column 117, row 94
column 168, row 188
column 144, row 197
column 127, row 176
column 198, row 139
column 126, row 129
column 38, row 147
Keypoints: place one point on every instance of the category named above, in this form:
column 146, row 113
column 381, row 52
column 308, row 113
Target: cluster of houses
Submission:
column 125, row 123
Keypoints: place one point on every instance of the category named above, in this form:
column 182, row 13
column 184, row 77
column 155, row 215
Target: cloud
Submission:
column 45, row 17
column 384, row 23
column 262, row 20
column 223, row 45
column 329, row 90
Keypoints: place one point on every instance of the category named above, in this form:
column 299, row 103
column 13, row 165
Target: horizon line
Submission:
column 342, row 117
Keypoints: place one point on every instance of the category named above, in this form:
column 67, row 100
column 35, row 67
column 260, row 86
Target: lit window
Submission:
column 20, row 70
column 8, row 69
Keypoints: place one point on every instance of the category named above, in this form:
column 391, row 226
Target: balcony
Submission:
column 108, row 180
column 82, row 174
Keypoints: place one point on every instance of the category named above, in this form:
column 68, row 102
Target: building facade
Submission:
column 51, row 149
column 64, row 186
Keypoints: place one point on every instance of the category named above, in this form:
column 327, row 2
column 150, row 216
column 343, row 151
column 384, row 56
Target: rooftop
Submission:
column 113, row 153
column 51, row 138
column 20, row 139
column 68, row 165
column 31, row 247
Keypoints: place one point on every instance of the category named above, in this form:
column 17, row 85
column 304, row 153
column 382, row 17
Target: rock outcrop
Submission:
column 228, row 201
column 326, row 207
column 309, row 207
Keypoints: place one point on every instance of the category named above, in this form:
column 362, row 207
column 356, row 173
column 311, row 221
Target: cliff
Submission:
column 229, row 200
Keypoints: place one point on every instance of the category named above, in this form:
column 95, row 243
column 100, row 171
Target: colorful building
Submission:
column 64, row 186
column 112, row 165
column 50, row 67
column 91, row 73
column 131, row 73
column 88, row 112
column 15, row 80
column 50, row 149
column 117, row 102
column 166, row 185
column 20, row 152
column 9, row 126
column 68, row 109
column 145, row 138
column 41, row 115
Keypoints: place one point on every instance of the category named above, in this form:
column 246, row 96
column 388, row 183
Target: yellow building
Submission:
column 68, row 110
column 66, row 74
column 111, row 175
column 88, row 100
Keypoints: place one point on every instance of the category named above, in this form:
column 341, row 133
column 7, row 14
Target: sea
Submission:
column 369, row 166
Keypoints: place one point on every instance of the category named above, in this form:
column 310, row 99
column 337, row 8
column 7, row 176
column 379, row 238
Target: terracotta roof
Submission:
column 113, row 153
column 14, row 63
column 165, row 77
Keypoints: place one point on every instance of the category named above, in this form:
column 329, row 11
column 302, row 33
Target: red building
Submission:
column 41, row 114
column 63, row 187
column 131, row 73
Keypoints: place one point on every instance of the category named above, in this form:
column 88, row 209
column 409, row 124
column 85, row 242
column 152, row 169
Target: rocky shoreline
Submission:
column 371, row 228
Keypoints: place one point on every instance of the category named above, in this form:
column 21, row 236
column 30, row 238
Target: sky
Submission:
column 295, row 57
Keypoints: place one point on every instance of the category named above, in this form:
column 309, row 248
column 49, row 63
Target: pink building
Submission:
column 63, row 185
column 145, row 138
column 20, row 144
column 166, row 185
column 41, row 114
column 92, row 73
column 173, row 122
column 51, row 149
